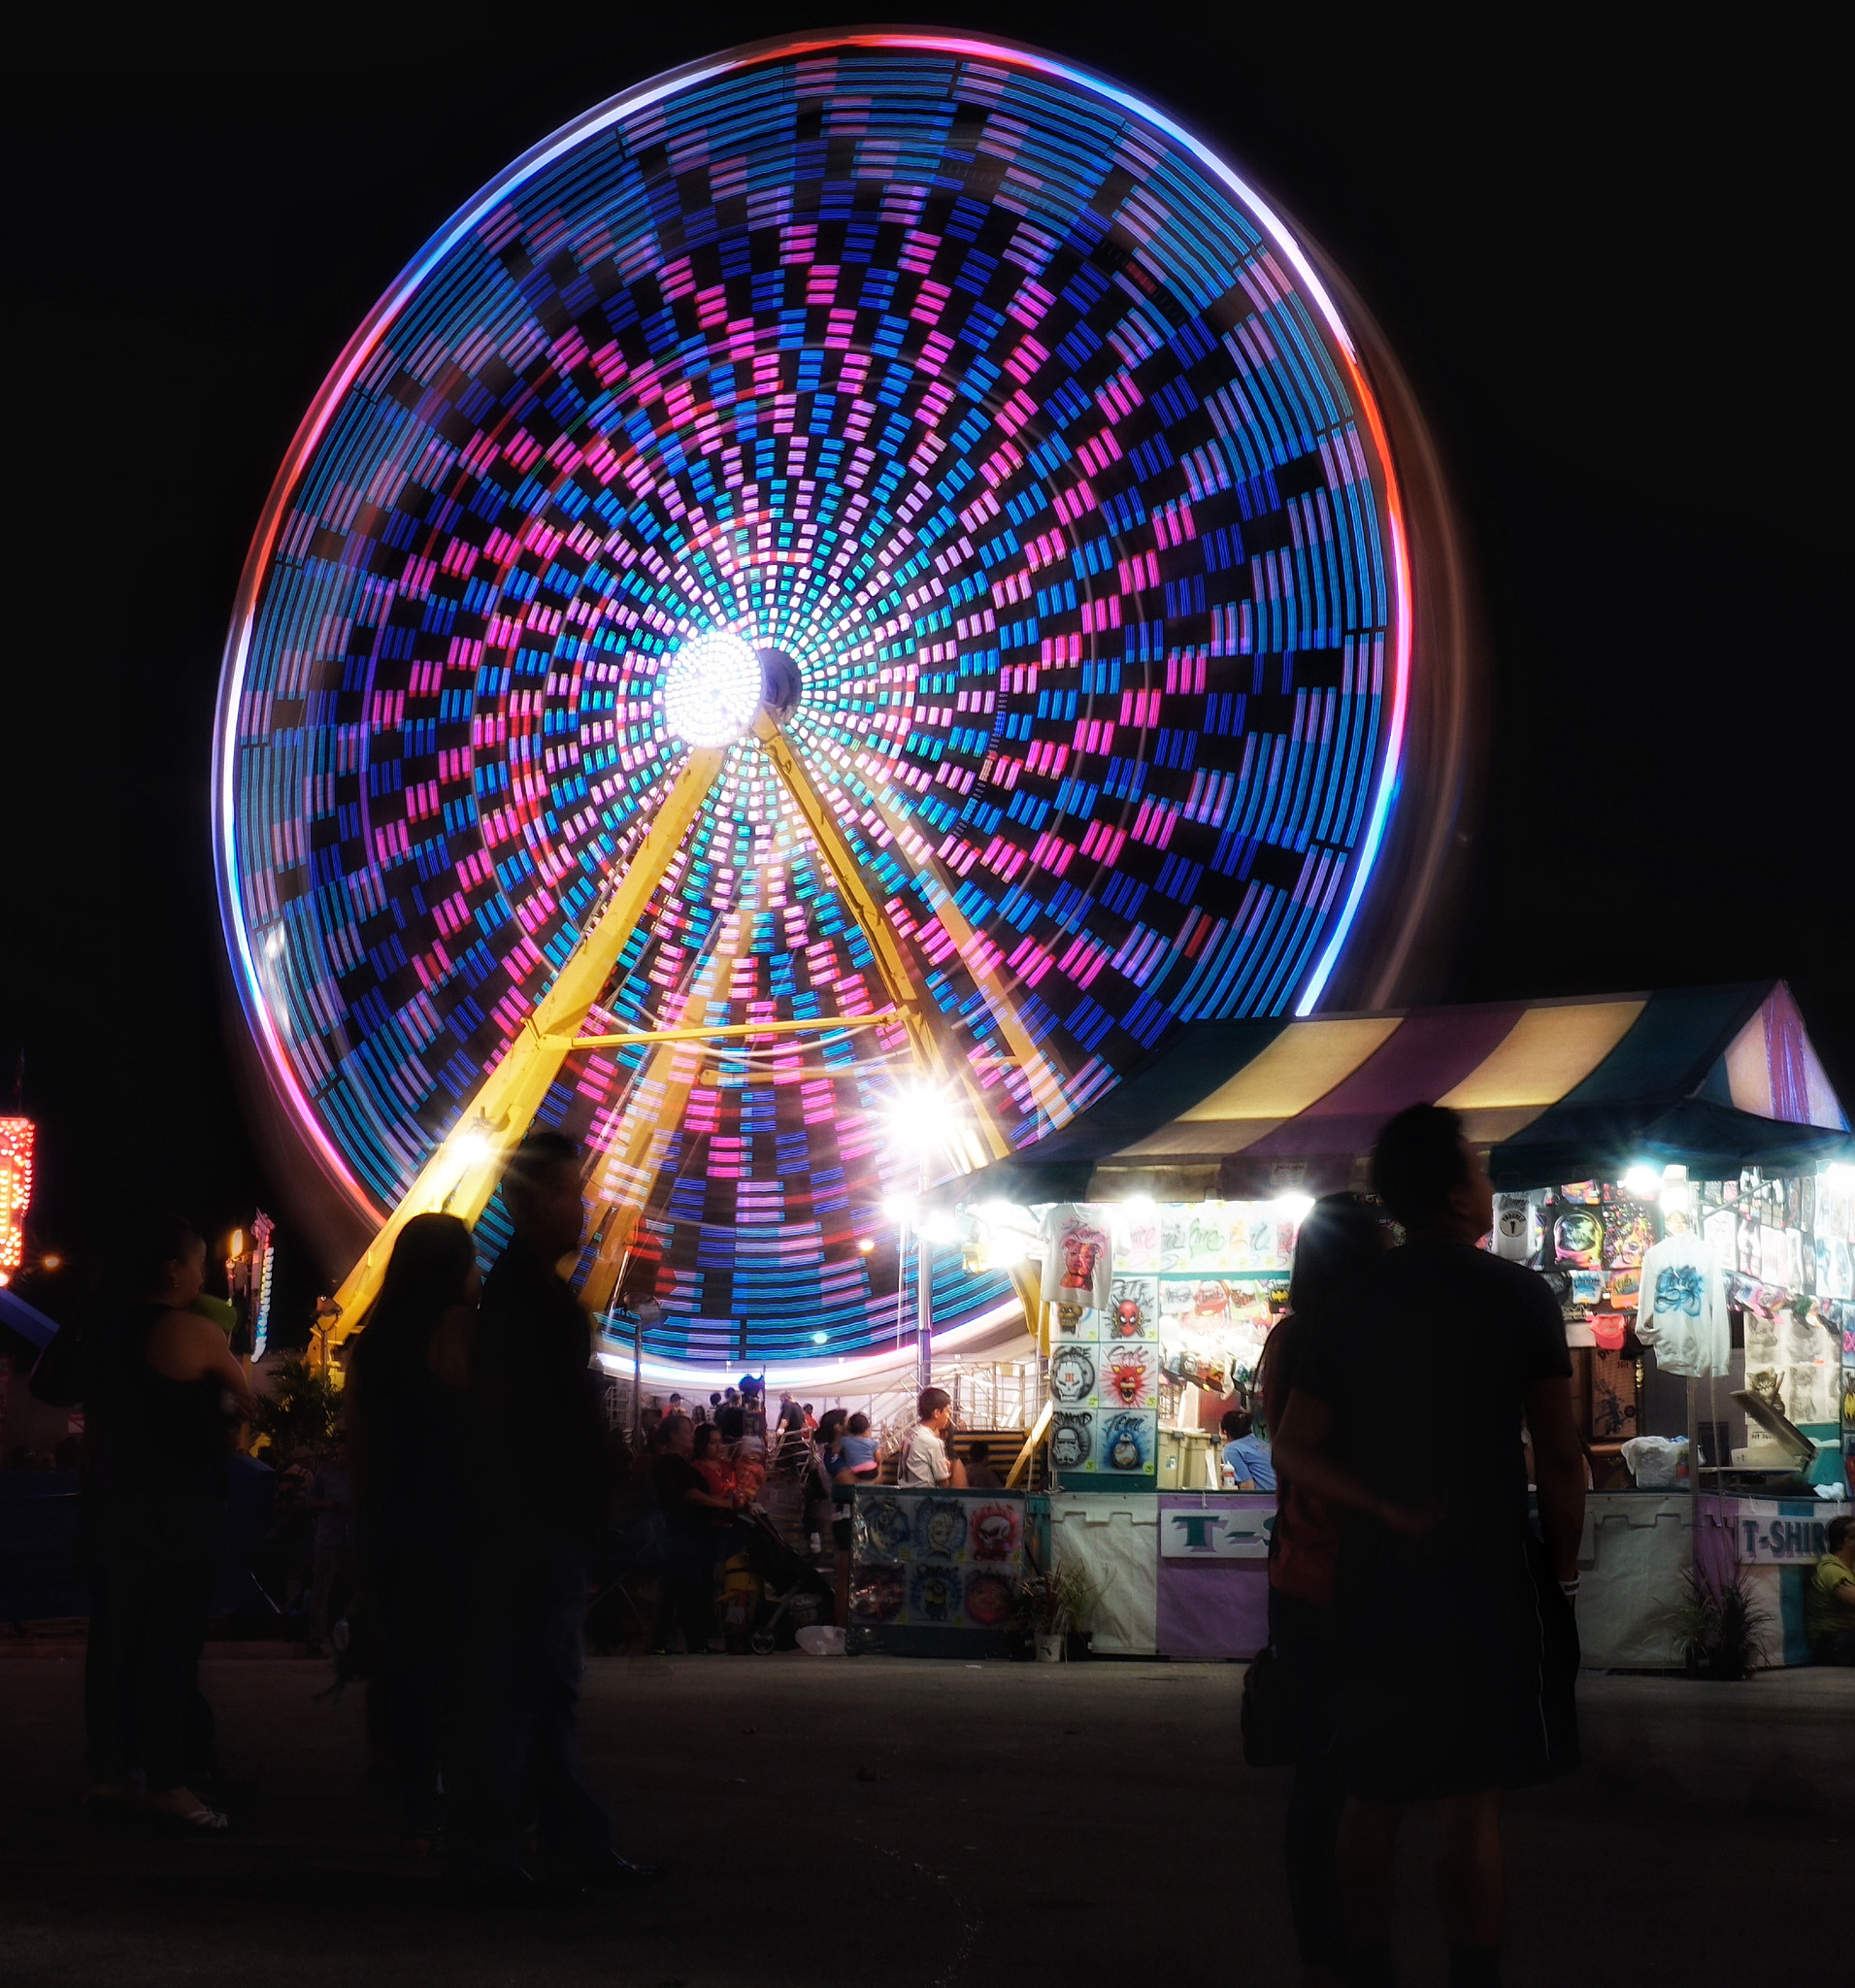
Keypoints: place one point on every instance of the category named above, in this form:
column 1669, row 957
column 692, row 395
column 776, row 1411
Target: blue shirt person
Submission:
column 1246, row 1454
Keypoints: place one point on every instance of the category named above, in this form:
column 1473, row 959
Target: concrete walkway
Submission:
column 925, row 1825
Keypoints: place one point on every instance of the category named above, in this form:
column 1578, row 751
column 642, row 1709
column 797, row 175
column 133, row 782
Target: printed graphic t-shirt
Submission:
column 1680, row 1310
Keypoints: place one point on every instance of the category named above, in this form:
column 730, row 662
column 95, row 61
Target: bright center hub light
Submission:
column 711, row 690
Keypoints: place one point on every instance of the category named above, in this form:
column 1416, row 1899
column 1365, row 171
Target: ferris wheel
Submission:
column 865, row 573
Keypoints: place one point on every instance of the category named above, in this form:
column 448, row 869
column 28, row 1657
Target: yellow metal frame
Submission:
column 462, row 1174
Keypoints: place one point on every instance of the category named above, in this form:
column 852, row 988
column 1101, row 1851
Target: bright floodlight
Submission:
column 916, row 1118
column 711, row 690
column 1644, row 1181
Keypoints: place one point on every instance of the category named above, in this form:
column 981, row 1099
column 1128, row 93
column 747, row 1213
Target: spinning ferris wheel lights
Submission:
column 873, row 526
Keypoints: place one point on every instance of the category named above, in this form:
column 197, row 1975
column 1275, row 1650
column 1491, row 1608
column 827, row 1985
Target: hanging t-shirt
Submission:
column 1077, row 1257
column 1681, row 1308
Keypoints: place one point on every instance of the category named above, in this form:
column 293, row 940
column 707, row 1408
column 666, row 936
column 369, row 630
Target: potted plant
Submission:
column 1048, row 1610
column 1718, row 1626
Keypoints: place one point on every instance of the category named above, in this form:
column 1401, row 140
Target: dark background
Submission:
column 1603, row 255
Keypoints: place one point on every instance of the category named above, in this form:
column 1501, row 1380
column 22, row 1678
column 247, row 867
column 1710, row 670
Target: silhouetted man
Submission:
column 1457, row 1652
column 542, row 1526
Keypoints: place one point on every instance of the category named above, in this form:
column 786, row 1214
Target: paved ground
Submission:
column 925, row 1825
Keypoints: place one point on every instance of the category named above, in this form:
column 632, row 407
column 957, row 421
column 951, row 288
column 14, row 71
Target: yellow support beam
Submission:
column 1046, row 1089
column 734, row 1030
column 462, row 1174
column 1038, row 1430
column 653, row 1109
column 946, row 1071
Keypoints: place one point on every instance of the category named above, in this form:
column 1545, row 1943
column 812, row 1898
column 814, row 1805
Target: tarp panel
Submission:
column 1543, row 1055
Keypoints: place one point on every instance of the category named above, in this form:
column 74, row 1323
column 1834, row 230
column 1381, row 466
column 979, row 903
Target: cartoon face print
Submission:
column 995, row 1532
column 1083, row 1250
column 934, row 1593
column 939, row 1526
column 988, row 1600
column 1072, row 1375
column 1077, row 1322
column 1072, row 1439
column 1127, row 1320
column 1130, row 1376
column 885, row 1525
column 1123, row 1448
column 877, row 1593
column 1579, row 1238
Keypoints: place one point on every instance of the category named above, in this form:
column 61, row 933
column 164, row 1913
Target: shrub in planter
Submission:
column 1718, row 1626
column 1054, row 1605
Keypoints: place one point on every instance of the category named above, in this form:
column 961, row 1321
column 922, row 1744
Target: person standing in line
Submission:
column 1245, row 1455
column 924, row 1460
column 331, row 1508
column 413, row 1425
column 693, row 1511
column 1342, row 1237
column 1457, row 1650
column 528, row 1586
column 820, row 1485
column 163, row 1399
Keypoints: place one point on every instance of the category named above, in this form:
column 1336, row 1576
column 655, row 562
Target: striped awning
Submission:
column 1716, row 1079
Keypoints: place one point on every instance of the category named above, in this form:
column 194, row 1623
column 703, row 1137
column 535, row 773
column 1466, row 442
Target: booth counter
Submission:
column 1186, row 1575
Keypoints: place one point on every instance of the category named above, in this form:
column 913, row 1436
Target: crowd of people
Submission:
column 1421, row 1629
column 450, row 1540
column 465, row 1507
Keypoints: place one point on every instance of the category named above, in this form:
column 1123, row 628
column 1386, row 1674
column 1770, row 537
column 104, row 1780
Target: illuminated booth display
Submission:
column 978, row 473
column 1703, row 1266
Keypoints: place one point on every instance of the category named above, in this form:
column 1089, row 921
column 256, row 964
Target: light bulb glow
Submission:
column 1294, row 1207
column 1644, row 1181
column 711, row 690
column 16, row 1137
column 918, row 1121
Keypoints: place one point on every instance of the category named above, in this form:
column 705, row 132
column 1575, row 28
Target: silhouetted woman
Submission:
column 161, row 1407
column 409, row 1417
column 1343, row 1234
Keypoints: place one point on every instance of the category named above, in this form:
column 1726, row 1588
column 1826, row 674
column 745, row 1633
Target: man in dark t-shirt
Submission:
column 1457, row 1654
column 520, row 1676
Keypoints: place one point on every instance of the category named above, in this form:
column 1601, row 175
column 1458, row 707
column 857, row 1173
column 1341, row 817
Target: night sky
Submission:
column 1603, row 263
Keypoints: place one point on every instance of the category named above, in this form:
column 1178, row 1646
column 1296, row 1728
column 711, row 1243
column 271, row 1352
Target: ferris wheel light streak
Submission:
column 866, row 523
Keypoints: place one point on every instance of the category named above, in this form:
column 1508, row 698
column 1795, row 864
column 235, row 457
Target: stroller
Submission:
column 769, row 1592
